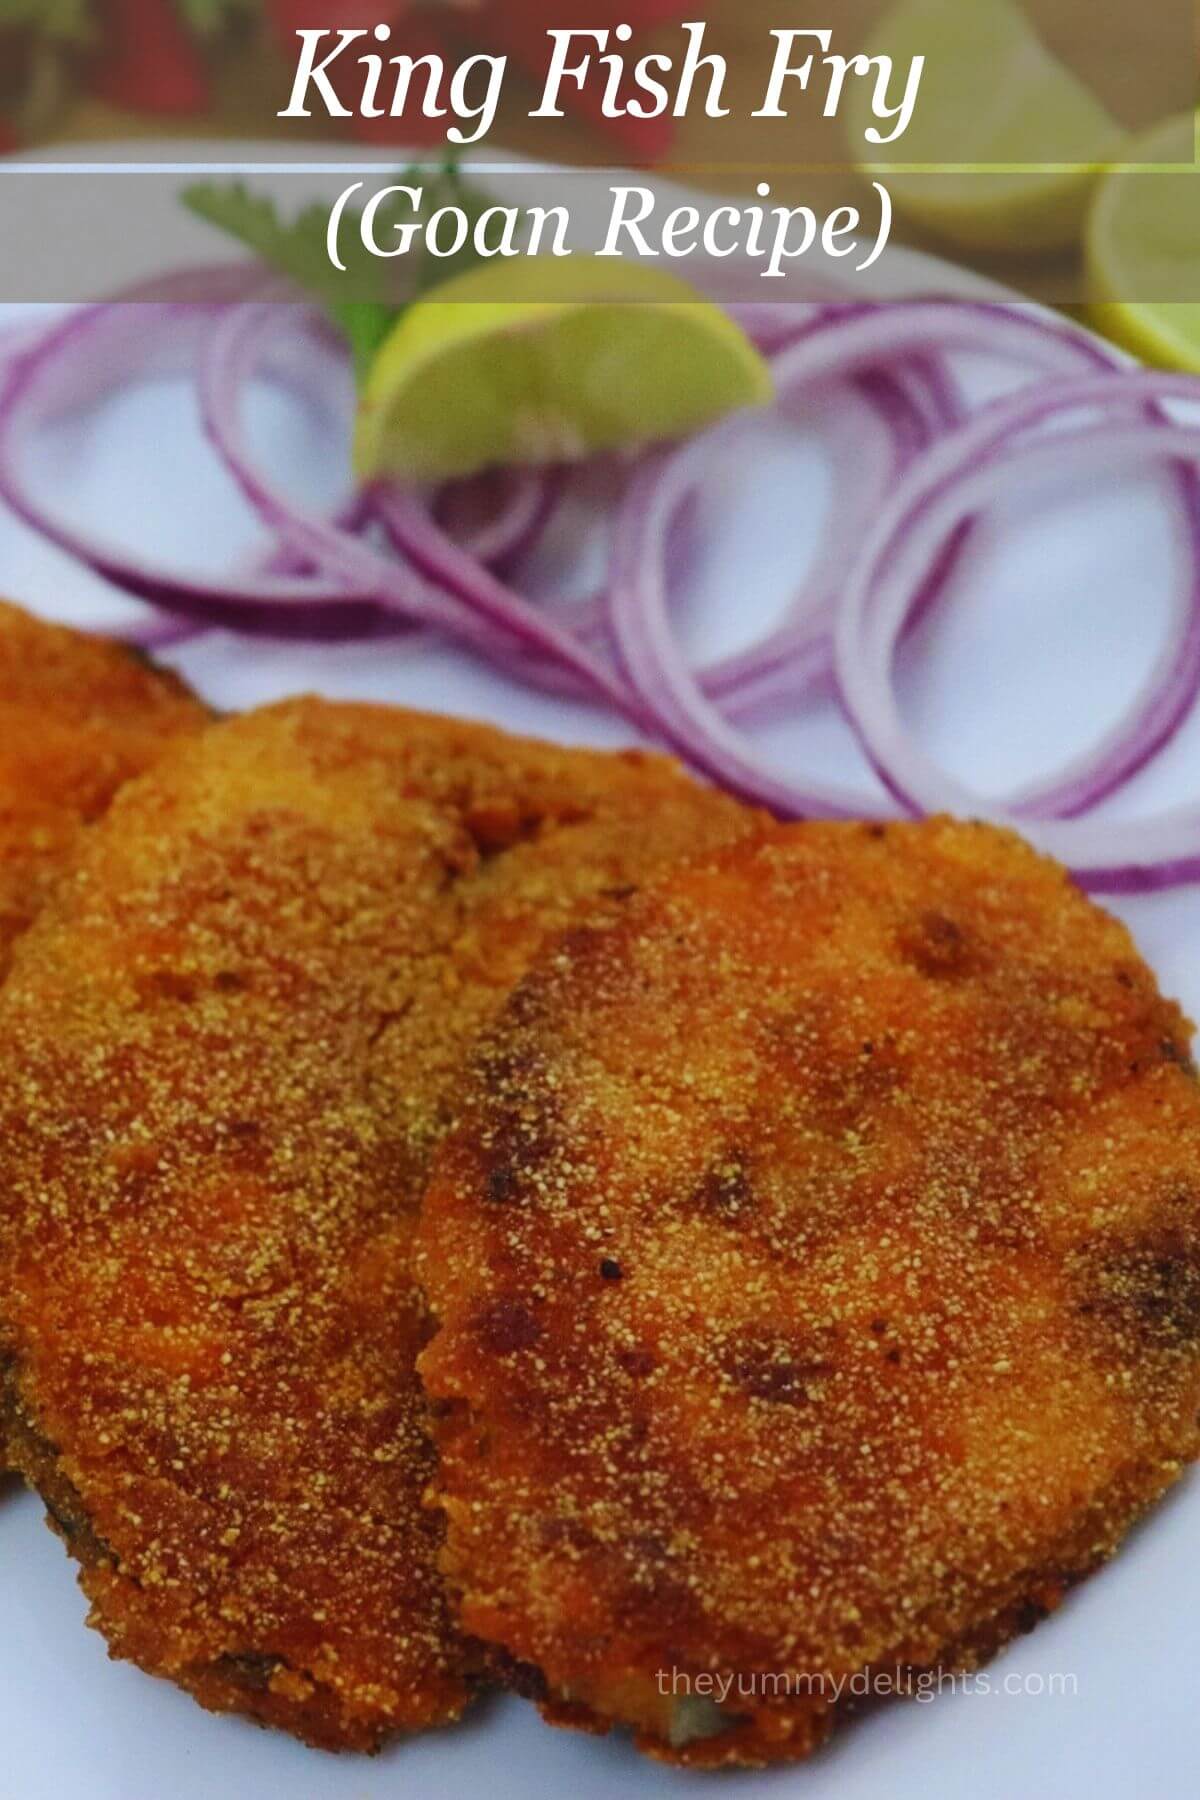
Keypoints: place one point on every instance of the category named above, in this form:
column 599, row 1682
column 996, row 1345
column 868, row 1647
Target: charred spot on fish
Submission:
column 508, row 1326
column 38, row 1460
column 64, row 1505
column 169, row 984
column 66, row 1523
column 518, row 1086
column 520, row 1148
column 1147, row 1289
column 525, row 1138
column 649, row 1565
column 504, row 1062
column 587, row 949
column 1178, row 1054
column 250, row 1669
column 515, row 1676
column 610, row 1269
column 77, row 1530
column 496, row 823
column 500, row 821
column 936, row 946
column 556, row 1529
column 773, row 1372
column 502, row 1184
column 725, row 1188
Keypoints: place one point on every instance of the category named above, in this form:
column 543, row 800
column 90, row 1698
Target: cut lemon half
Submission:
column 537, row 362
column 1143, row 246
column 1005, row 142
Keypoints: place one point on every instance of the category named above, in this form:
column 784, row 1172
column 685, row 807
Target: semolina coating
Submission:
column 816, row 1268
column 231, row 1042
column 79, row 716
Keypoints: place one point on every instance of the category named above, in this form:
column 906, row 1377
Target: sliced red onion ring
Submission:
column 917, row 402
column 641, row 623
column 792, row 660
column 155, row 635
column 1106, row 856
column 1171, row 689
column 81, row 361
column 909, row 478
column 438, row 584
column 847, row 340
column 869, row 436
column 249, row 344
column 506, row 532
column 207, row 284
column 640, row 614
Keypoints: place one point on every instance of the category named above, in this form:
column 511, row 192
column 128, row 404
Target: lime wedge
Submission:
column 536, row 361
column 1143, row 238
column 1005, row 143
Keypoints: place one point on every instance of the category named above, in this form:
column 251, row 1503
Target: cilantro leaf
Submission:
column 296, row 249
column 367, row 299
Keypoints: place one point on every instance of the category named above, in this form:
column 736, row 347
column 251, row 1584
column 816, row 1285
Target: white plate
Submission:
column 1034, row 663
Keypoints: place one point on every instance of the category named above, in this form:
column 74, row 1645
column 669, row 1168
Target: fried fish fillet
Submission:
column 817, row 1272
column 230, row 1045
column 78, row 717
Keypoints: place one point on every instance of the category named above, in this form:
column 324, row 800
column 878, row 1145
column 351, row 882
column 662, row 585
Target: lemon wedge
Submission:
column 1005, row 144
column 536, row 361
column 1143, row 238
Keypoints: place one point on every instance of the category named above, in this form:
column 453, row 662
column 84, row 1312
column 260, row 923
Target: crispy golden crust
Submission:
column 230, row 1047
column 78, row 718
column 817, row 1270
